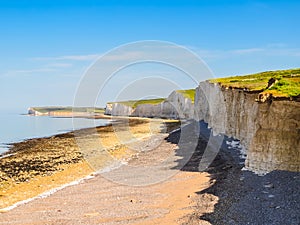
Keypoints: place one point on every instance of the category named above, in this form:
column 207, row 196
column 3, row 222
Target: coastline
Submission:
column 18, row 127
column 104, row 200
column 37, row 165
column 221, row 194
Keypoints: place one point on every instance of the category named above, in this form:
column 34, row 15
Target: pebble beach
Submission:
column 50, row 181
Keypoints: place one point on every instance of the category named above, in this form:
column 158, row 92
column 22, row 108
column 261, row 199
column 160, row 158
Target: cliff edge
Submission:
column 269, row 129
column 261, row 110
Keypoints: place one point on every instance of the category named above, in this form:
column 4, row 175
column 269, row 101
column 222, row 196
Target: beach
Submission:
column 53, row 172
column 37, row 165
column 114, row 197
column 159, row 185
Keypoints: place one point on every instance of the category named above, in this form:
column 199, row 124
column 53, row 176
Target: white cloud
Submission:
column 289, row 52
column 54, row 67
column 60, row 65
column 28, row 72
column 123, row 56
column 89, row 57
column 107, row 57
column 247, row 51
column 39, row 70
column 269, row 50
column 207, row 54
column 277, row 45
column 79, row 57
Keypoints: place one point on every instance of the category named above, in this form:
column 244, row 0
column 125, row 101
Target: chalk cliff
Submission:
column 59, row 112
column 33, row 112
column 270, row 131
column 118, row 109
column 174, row 107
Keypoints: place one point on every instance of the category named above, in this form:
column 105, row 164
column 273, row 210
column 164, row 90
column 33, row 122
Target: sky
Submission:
column 47, row 47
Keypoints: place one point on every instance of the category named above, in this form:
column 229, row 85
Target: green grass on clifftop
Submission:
column 287, row 82
column 67, row 109
column 135, row 103
column 190, row 93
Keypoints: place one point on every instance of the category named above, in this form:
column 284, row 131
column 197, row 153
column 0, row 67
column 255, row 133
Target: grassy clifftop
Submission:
column 67, row 109
column 280, row 83
column 135, row 103
column 190, row 93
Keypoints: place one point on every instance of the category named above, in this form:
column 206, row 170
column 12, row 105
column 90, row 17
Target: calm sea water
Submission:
column 15, row 127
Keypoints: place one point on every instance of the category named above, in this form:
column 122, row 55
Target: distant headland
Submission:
column 64, row 111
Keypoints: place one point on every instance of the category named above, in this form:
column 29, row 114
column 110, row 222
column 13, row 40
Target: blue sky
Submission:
column 46, row 46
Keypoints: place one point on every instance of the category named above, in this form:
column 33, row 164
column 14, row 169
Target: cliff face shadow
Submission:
column 242, row 196
column 193, row 147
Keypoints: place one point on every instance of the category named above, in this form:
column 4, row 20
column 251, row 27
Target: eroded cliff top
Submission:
column 280, row 83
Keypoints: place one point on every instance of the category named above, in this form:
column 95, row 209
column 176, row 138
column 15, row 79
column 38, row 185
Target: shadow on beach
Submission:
column 242, row 196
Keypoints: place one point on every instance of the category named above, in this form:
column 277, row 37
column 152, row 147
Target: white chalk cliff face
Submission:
column 118, row 109
column 174, row 107
column 33, row 112
column 269, row 131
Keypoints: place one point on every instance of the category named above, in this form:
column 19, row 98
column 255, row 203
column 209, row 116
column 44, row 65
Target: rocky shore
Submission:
column 239, row 196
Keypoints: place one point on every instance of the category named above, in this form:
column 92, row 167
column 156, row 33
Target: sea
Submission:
column 16, row 126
